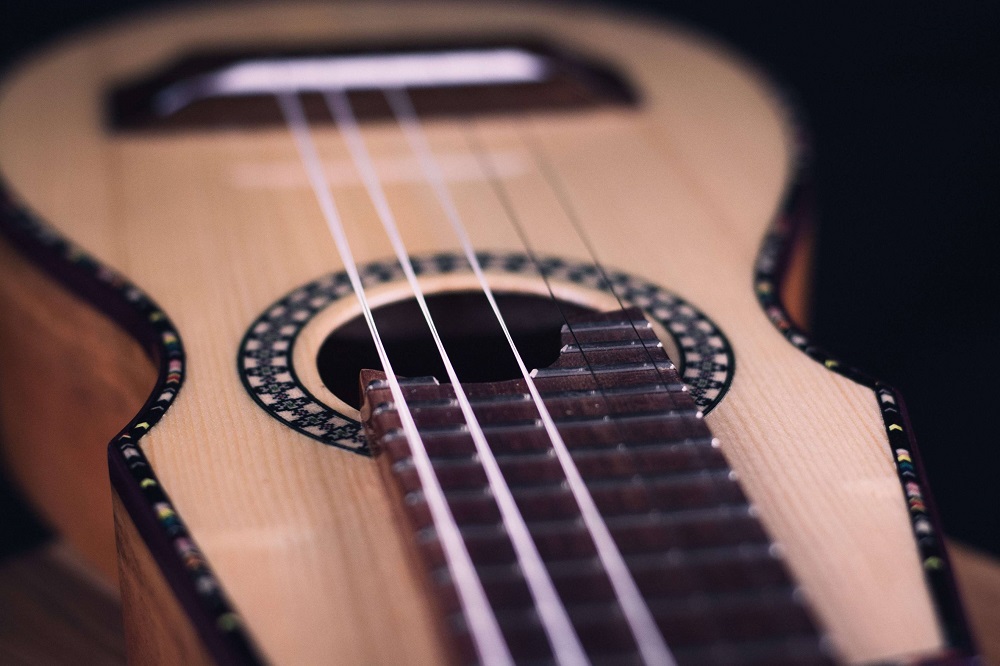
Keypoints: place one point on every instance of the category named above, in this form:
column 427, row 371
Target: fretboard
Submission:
column 712, row 579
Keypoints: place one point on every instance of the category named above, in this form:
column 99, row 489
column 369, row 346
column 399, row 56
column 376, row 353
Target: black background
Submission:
column 902, row 105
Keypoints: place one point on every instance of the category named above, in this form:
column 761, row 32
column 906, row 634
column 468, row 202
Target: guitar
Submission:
column 626, row 451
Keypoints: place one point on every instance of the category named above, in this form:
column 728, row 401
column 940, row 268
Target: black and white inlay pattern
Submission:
column 706, row 359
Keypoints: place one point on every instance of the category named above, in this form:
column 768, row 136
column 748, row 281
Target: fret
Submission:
column 742, row 616
column 599, row 449
column 631, row 379
column 494, row 548
column 732, row 622
column 757, row 607
column 614, row 498
column 625, row 419
column 525, row 436
column 447, row 446
column 624, row 375
column 621, row 466
column 605, row 345
column 579, row 455
column 611, row 355
column 587, row 414
column 726, row 557
column 610, row 335
column 579, row 406
column 527, row 439
column 555, row 527
column 430, row 427
column 458, row 445
column 432, row 401
column 615, row 391
column 692, row 571
column 415, row 406
column 408, row 382
column 581, row 580
column 609, row 325
column 603, row 369
column 646, row 480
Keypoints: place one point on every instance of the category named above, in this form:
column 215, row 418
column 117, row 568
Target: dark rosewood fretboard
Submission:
column 707, row 570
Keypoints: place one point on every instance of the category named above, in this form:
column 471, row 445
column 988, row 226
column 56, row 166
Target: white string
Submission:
column 483, row 627
column 555, row 620
column 648, row 637
column 550, row 174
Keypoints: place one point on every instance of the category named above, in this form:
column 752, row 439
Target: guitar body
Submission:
column 242, row 534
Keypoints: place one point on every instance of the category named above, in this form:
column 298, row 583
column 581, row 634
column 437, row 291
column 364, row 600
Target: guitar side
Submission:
column 776, row 387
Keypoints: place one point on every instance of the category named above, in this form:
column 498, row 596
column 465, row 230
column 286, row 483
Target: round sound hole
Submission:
column 471, row 335
column 469, row 329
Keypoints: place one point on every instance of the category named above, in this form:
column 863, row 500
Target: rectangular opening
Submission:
column 237, row 88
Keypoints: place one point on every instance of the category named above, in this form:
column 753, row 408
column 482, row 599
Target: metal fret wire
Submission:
column 551, row 611
column 649, row 639
column 483, row 627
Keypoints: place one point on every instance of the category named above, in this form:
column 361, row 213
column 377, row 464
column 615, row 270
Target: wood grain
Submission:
column 72, row 379
column 681, row 192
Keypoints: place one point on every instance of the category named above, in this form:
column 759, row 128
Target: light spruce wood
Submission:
column 216, row 226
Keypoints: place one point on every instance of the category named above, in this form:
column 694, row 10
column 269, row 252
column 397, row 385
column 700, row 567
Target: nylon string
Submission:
column 555, row 183
column 489, row 642
column 551, row 611
column 562, row 196
column 558, row 187
column 649, row 639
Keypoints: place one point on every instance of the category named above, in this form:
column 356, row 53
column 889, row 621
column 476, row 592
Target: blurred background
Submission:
column 901, row 101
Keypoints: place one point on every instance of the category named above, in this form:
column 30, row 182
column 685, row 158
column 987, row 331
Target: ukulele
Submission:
column 431, row 333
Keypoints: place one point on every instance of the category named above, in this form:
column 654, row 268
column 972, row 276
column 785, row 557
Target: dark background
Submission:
column 902, row 105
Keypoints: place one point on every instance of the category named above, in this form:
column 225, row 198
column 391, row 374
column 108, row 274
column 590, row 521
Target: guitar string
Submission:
column 558, row 187
column 408, row 120
column 649, row 640
column 562, row 196
column 552, row 613
column 569, row 210
column 484, row 629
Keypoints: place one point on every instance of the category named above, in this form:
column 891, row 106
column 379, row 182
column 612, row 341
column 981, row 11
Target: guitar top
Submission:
column 444, row 333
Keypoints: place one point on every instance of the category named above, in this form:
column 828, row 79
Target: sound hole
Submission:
column 470, row 332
